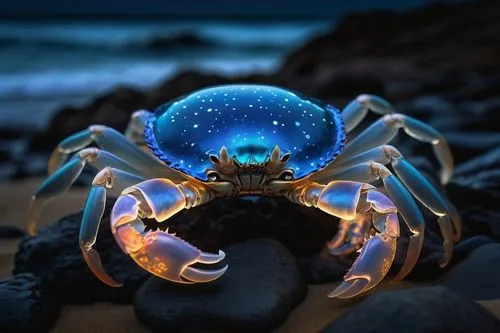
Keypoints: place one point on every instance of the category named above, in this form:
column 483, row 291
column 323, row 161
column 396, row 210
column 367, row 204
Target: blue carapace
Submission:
column 254, row 140
column 249, row 120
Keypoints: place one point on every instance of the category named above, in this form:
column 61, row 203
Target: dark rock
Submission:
column 325, row 268
column 55, row 257
column 112, row 109
column 467, row 146
column 10, row 231
column 258, row 291
column 419, row 310
column 477, row 276
column 26, row 306
column 428, row 268
column 474, row 190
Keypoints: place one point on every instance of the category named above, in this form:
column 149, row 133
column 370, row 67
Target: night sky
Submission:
column 223, row 8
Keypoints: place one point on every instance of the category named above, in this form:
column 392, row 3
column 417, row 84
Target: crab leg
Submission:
column 135, row 128
column 160, row 252
column 106, row 179
column 370, row 171
column 346, row 199
column 385, row 129
column 358, row 108
column 113, row 141
column 415, row 182
column 60, row 181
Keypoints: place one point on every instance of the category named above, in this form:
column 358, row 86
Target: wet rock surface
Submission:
column 475, row 190
column 428, row 269
column 26, row 306
column 55, row 257
column 419, row 310
column 257, row 292
column 477, row 275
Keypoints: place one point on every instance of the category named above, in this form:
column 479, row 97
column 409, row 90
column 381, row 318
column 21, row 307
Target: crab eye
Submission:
column 213, row 176
column 286, row 175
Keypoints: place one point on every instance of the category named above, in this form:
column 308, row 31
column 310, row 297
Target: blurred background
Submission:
column 60, row 53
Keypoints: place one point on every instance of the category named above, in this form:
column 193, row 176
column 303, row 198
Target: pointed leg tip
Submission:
column 445, row 177
column 211, row 258
column 222, row 254
column 115, row 284
column 334, row 294
column 197, row 275
column 350, row 288
column 444, row 262
column 446, row 259
column 94, row 263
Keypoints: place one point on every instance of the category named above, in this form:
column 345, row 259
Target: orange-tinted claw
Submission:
column 377, row 255
column 159, row 252
column 169, row 257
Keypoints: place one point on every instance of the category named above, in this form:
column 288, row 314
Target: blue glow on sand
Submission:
column 249, row 120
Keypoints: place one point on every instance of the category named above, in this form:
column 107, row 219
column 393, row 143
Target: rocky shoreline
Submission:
column 439, row 64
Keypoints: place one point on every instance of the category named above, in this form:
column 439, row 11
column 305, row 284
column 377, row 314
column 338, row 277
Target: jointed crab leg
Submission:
column 385, row 129
column 370, row 171
column 60, row 181
column 160, row 252
column 106, row 179
column 135, row 128
column 346, row 199
column 357, row 109
column 416, row 183
column 112, row 140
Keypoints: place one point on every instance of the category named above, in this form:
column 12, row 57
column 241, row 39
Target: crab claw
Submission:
column 377, row 253
column 159, row 252
column 369, row 268
column 169, row 257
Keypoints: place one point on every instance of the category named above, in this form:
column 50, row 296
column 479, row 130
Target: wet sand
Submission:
column 310, row 316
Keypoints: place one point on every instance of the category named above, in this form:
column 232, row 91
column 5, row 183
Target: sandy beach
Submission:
column 310, row 316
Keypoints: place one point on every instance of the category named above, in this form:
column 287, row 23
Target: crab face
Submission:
column 249, row 121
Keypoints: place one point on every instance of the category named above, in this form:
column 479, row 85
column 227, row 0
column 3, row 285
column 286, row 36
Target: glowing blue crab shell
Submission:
column 249, row 120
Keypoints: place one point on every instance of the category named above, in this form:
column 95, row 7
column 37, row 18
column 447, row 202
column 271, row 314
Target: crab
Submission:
column 254, row 140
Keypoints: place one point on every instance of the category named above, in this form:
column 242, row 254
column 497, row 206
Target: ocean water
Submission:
column 47, row 65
